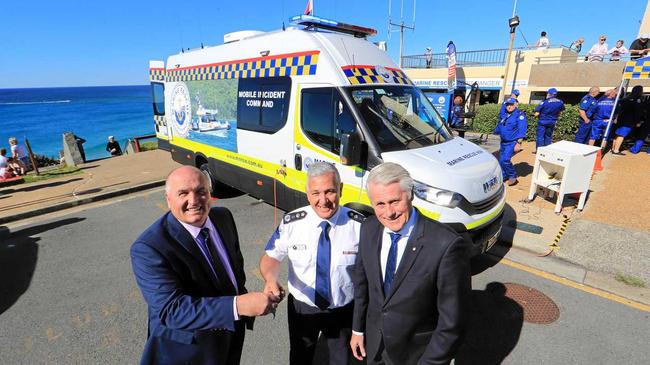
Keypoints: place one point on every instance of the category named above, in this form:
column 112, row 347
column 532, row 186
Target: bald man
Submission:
column 190, row 270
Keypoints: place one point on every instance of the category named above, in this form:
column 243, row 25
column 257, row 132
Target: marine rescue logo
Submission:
column 491, row 184
column 181, row 109
column 383, row 72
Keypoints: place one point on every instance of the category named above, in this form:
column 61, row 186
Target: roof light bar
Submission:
column 316, row 22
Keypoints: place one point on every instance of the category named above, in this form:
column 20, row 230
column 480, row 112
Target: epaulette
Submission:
column 294, row 216
column 356, row 216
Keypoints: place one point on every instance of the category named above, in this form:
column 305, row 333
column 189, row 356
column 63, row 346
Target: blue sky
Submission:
column 84, row 43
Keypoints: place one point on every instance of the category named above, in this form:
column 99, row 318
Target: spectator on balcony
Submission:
column 629, row 117
column 514, row 95
column 616, row 52
column 640, row 47
column 428, row 56
column 599, row 50
column 576, row 46
column 548, row 112
column 602, row 113
column 586, row 111
column 543, row 42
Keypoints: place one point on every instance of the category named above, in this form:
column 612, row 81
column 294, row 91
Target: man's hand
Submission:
column 254, row 304
column 517, row 147
column 358, row 348
column 274, row 290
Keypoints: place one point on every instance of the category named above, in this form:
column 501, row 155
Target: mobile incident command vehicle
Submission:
column 254, row 112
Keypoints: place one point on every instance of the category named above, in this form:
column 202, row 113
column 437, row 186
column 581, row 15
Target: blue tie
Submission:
column 391, row 262
column 323, row 268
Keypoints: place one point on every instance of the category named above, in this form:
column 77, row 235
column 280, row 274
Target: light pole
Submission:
column 513, row 23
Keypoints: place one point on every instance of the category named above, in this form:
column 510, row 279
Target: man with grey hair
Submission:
column 411, row 279
column 321, row 241
column 586, row 111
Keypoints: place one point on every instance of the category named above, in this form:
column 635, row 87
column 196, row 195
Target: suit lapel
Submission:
column 411, row 252
column 182, row 236
column 376, row 257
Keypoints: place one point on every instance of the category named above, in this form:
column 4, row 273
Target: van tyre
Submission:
column 205, row 169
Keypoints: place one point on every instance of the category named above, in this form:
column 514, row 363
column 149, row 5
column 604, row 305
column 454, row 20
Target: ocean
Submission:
column 42, row 115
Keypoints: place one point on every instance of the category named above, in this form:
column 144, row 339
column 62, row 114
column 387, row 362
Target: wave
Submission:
column 36, row 102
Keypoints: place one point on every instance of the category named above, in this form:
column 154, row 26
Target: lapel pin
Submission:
column 414, row 248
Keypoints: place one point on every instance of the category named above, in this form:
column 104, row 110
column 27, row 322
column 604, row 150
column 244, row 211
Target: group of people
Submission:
column 16, row 163
column 390, row 289
column 639, row 48
column 597, row 53
column 632, row 120
column 632, row 115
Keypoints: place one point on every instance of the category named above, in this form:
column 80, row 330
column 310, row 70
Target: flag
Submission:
column 451, row 66
column 309, row 10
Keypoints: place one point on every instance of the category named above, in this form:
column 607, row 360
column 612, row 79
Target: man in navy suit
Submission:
column 190, row 270
column 411, row 280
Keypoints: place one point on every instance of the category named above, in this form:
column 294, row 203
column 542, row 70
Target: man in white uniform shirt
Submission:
column 321, row 241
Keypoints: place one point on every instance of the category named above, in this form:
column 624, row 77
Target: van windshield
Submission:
column 400, row 117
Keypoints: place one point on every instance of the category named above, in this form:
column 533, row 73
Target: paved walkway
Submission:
column 100, row 179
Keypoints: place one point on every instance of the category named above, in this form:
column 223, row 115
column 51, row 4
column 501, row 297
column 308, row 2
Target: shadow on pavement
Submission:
column 494, row 327
column 523, row 169
column 18, row 256
column 41, row 186
column 485, row 261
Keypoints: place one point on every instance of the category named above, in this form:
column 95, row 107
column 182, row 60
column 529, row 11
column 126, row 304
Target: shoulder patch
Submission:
column 294, row 216
column 356, row 216
column 522, row 117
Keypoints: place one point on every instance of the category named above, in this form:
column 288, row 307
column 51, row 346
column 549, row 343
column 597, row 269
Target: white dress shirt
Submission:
column 405, row 233
column 297, row 238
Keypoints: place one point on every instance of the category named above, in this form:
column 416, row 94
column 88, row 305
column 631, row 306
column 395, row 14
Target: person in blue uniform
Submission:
column 601, row 114
column 514, row 95
column 548, row 112
column 457, row 112
column 586, row 112
column 512, row 130
column 630, row 115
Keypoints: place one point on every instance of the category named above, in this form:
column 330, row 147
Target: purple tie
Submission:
column 217, row 258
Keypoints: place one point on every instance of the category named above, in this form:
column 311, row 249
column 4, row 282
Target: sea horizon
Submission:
column 43, row 114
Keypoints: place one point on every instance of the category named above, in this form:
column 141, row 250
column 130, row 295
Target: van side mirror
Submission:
column 350, row 149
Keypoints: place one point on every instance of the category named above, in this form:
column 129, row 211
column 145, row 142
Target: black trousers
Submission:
column 305, row 325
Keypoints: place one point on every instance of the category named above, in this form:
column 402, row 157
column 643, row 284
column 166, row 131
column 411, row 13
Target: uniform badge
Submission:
column 294, row 216
column 521, row 117
column 356, row 216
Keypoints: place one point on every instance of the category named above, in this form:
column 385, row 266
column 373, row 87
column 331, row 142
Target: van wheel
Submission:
column 211, row 183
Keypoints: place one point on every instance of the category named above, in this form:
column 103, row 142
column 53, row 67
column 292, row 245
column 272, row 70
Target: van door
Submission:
column 324, row 116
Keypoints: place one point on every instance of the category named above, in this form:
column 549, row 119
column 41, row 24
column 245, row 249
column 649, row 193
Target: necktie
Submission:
column 391, row 262
column 214, row 259
column 323, row 268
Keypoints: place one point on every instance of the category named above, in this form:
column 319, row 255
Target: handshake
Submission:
column 260, row 303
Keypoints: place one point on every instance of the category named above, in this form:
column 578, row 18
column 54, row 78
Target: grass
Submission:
column 53, row 173
column 629, row 280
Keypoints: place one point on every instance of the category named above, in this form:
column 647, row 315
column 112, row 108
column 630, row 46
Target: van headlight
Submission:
column 436, row 196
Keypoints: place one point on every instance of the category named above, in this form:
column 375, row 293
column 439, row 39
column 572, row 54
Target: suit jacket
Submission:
column 422, row 319
column 191, row 319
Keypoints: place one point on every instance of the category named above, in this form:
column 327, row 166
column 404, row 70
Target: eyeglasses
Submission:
column 603, row 39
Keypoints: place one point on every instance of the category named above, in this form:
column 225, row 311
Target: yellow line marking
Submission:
column 573, row 284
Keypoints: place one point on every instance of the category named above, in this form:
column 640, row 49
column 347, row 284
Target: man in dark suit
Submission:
column 411, row 280
column 190, row 270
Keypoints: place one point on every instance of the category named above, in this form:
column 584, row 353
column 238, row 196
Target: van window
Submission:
column 325, row 117
column 263, row 103
column 158, row 95
column 399, row 117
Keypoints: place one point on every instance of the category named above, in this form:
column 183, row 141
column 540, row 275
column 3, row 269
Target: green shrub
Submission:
column 148, row 146
column 487, row 117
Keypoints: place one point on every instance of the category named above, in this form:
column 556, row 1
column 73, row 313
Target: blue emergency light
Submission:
column 310, row 21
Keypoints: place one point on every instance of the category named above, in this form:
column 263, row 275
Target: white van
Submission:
column 254, row 112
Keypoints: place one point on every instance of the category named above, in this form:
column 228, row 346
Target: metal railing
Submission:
column 581, row 58
column 486, row 57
